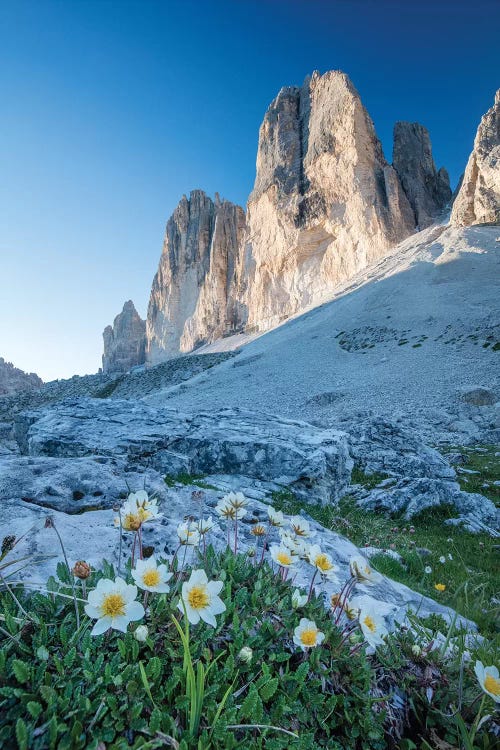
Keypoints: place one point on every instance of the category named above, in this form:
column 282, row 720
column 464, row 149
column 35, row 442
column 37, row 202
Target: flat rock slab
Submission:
column 93, row 537
column 312, row 461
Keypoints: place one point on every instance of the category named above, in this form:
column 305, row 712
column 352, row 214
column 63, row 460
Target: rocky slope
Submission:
column 124, row 341
column 13, row 380
column 195, row 296
column 478, row 200
column 427, row 189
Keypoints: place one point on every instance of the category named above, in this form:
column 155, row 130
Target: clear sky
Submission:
column 112, row 109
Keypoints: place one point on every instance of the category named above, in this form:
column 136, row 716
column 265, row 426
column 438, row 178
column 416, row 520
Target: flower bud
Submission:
column 8, row 544
column 245, row 655
column 141, row 633
column 81, row 569
column 416, row 650
column 355, row 638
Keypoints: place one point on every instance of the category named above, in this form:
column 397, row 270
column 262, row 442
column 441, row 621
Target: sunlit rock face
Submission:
column 478, row 200
column 124, row 341
column 196, row 295
column 325, row 201
column 427, row 189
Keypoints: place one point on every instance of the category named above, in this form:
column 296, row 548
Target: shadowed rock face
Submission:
column 13, row 380
column 124, row 341
column 325, row 201
column 478, row 200
column 427, row 189
column 195, row 296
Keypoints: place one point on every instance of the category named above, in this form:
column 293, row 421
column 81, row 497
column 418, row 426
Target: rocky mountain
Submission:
column 427, row 189
column 13, row 380
column 124, row 341
column 478, row 200
column 196, row 295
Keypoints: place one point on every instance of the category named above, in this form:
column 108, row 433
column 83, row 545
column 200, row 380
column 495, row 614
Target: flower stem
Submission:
column 70, row 576
column 312, row 584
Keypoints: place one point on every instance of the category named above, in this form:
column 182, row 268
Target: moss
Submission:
column 187, row 480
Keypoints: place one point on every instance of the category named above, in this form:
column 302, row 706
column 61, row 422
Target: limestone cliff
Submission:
column 124, row 341
column 478, row 200
column 196, row 295
column 13, row 380
column 427, row 189
column 325, row 201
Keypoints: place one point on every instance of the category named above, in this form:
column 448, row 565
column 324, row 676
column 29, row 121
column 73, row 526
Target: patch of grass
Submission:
column 369, row 481
column 416, row 346
column 486, row 463
column 109, row 388
column 283, row 496
column 402, row 342
column 496, row 347
column 471, row 576
column 188, row 479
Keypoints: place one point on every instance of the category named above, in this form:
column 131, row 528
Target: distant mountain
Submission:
column 12, row 379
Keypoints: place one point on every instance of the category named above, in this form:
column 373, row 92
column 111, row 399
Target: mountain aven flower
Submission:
column 372, row 626
column 295, row 544
column 150, row 576
column 276, row 517
column 282, row 556
column 113, row 604
column 322, row 562
column 488, row 680
column 301, row 527
column 188, row 533
column 298, row 599
column 306, row 634
column 362, row 571
column 201, row 600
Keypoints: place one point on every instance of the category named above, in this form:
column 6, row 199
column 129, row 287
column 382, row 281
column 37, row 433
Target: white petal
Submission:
column 134, row 610
column 101, row 626
column 214, row 587
column 92, row 611
column 216, row 606
column 207, row 616
column 120, row 623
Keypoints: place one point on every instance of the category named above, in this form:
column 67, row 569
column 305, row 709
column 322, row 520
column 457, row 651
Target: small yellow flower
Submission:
column 439, row 586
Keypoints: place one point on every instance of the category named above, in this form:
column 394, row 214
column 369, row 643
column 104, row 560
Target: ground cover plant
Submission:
column 219, row 649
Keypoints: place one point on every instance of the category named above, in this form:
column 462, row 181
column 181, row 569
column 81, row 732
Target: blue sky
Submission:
column 111, row 110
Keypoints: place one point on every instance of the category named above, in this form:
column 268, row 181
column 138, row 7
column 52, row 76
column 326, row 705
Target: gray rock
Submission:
column 478, row 200
column 13, row 380
column 479, row 397
column 314, row 462
column 91, row 536
column 125, row 341
column 427, row 189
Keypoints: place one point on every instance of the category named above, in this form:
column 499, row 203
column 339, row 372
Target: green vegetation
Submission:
column 188, row 479
column 369, row 481
column 194, row 689
column 109, row 388
column 480, row 458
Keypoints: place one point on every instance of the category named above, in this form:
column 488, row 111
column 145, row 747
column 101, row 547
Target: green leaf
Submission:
column 21, row 670
column 70, row 657
column 34, row 708
column 22, row 734
column 42, row 653
column 268, row 690
column 249, row 705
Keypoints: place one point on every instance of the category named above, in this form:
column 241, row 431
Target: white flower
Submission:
column 298, row 599
column 232, row 506
column 301, row 527
column 322, row 562
column 296, row 545
column 306, row 634
column 113, row 604
column 200, row 598
column 282, row 556
column 362, row 571
column 205, row 525
column 136, row 510
column 488, row 680
column 442, row 559
column 276, row 517
column 141, row 633
column 372, row 626
column 450, row 556
column 188, row 533
column 150, row 576
column 428, row 569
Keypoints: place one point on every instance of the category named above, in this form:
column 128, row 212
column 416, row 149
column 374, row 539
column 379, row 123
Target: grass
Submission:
column 188, row 479
column 369, row 481
column 486, row 463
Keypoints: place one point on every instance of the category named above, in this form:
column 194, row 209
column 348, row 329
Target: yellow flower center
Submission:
column 143, row 514
column 131, row 522
column 113, row 605
column 370, row 623
column 308, row 637
column 198, row 597
column 151, row 577
column 284, row 558
column 323, row 563
column 258, row 530
column 492, row 685
column 440, row 587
